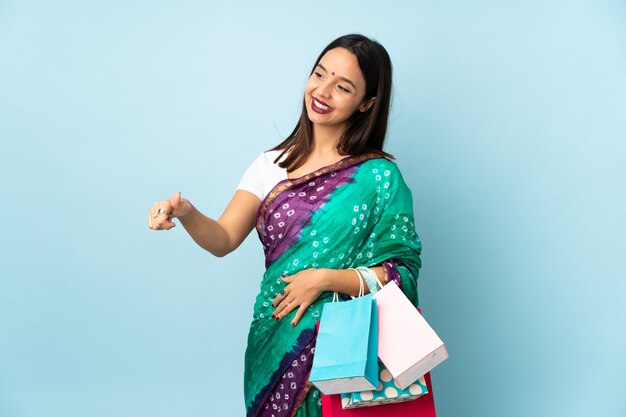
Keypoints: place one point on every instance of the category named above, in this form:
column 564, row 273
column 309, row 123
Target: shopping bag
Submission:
column 407, row 345
column 424, row 406
column 386, row 393
column 346, row 351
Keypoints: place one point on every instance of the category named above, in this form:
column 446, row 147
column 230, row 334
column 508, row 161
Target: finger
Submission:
column 168, row 224
column 286, row 307
column 153, row 215
column 280, row 297
column 280, row 307
column 152, row 221
column 149, row 220
column 157, row 222
column 177, row 204
column 166, row 205
column 163, row 206
column 161, row 220
column 299, row 314
column 287, row 279
column 175, row 200
column 163, row 209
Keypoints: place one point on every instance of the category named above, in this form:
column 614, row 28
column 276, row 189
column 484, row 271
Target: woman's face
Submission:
column 336, row 89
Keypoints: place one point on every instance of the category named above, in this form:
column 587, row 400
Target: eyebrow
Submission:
column 343, row 78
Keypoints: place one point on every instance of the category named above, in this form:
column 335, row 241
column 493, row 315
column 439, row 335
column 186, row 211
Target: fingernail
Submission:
column 293, row 324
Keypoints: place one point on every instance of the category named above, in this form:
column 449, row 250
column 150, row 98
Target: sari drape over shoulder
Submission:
column 356, row 212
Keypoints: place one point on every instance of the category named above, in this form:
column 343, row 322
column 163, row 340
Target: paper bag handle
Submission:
column 361, row 287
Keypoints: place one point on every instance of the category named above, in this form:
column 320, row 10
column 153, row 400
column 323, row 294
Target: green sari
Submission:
column 356, row 212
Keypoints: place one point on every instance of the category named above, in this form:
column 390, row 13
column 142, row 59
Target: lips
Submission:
column 320, row 107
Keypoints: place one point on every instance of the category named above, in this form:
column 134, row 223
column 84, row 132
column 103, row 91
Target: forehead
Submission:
column 343, row 63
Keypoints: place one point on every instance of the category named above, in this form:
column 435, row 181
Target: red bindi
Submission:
column 333, row 73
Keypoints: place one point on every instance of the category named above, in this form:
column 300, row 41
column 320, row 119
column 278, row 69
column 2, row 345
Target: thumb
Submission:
column 175, row 200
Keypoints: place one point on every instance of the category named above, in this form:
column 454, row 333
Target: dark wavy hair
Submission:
column 366, row 131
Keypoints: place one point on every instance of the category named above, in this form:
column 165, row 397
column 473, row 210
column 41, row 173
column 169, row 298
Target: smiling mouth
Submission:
column 319, row 107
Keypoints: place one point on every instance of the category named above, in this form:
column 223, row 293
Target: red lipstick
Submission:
column 320, row 110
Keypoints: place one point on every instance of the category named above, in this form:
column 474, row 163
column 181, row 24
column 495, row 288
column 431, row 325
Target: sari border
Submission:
column 285, row 184
column 302, row 397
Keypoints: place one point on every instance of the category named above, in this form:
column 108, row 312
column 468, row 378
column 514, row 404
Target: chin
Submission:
column 322, row 122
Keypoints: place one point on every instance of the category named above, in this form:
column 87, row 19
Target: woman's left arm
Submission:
column 304, row 287
column 346, row 281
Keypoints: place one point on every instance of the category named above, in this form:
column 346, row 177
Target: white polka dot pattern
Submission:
column 388, row 392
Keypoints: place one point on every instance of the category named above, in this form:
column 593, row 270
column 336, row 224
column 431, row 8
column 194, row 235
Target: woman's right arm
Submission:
column 220, row 237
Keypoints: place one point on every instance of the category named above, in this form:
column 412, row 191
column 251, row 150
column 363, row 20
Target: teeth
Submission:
column 319, row 105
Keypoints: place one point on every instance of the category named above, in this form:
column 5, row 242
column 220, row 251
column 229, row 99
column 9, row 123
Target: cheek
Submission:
column 348, row 105
column 307, row 95
column 309, row 86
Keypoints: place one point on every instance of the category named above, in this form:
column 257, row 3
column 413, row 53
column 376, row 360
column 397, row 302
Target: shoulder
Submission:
column 268, row 157
column 385, row 176
column 383, row 166
column 265, row 160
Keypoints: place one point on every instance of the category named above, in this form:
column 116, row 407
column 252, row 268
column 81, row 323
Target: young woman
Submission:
column 325, row 201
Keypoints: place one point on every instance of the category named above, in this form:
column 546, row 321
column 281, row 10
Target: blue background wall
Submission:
column 508, row 123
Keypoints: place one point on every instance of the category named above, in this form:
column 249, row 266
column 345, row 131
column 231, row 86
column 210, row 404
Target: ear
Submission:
column 365, row 106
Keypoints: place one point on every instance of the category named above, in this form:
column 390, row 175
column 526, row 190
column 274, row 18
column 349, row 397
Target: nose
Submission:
column 323, row 90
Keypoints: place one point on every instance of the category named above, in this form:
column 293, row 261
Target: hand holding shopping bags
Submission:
column 408, row 348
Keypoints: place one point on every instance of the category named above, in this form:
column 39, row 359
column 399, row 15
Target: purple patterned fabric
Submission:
column 290, row 388
column 278, row 233
column 391, row 268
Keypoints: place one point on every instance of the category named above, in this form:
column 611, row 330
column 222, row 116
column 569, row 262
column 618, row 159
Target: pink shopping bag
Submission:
column 407, row 345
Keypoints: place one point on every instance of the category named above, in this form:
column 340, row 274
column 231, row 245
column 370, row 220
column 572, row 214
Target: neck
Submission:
column 326, row 139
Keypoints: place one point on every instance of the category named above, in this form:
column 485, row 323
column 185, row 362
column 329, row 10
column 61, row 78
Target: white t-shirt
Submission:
column 262, row 174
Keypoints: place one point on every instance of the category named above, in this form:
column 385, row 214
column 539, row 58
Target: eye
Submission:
column 344, row 89
column 318, row 75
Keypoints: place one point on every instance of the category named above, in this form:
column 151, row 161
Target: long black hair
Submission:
column 366, row 130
